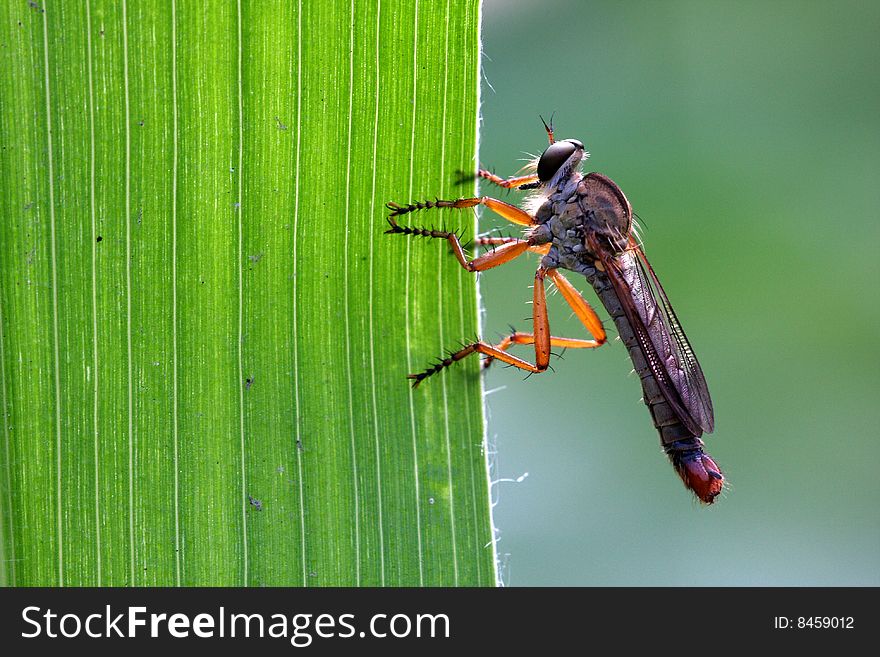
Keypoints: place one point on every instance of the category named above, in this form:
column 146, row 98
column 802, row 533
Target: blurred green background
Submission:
column 746, row 136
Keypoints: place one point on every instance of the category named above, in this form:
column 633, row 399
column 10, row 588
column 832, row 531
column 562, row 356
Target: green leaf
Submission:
column 204, row 332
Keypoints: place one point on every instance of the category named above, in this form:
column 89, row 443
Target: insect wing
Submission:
column 661, row 338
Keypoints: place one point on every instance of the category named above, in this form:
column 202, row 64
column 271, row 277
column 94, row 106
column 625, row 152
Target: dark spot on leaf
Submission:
column 99, row 239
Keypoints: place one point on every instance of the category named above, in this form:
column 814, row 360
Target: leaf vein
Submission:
column 408, row 312
column 371, row 299
column 54, row 264
column 345, row 292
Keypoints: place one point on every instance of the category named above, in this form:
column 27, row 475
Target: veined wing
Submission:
column 666, row 348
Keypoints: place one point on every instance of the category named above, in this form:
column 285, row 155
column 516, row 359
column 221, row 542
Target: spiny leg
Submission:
column 540, row 338
column 505, row 253
column 518, row 337
column 499, row 351
column 581, row 309
column 509, row 247
column 510, row 212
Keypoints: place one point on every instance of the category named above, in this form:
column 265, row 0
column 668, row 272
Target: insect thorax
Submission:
column 581, row 206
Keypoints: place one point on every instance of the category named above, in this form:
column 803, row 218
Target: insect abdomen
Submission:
column 665, row 418
column 697, row 470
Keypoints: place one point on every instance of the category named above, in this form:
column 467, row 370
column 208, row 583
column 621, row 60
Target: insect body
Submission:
column 584, row 223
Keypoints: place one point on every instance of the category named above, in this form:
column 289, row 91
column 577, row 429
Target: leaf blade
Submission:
column 228, row 403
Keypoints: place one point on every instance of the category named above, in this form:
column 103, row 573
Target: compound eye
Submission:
column 553, row 158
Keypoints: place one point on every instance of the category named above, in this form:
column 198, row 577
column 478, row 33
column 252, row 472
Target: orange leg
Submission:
column 529, row 338
column 494, row 241
column 505, row 253
column 523, row 182
column 540, row 322
column 507, row 183
column 579, row 305
column 510, row 212
column 540, row 337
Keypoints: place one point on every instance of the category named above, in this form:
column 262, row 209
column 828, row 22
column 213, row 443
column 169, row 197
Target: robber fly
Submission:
column 584, row 223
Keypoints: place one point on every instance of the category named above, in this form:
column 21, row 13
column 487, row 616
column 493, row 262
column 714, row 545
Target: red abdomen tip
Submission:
column 702, row 475
column 697, row 470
